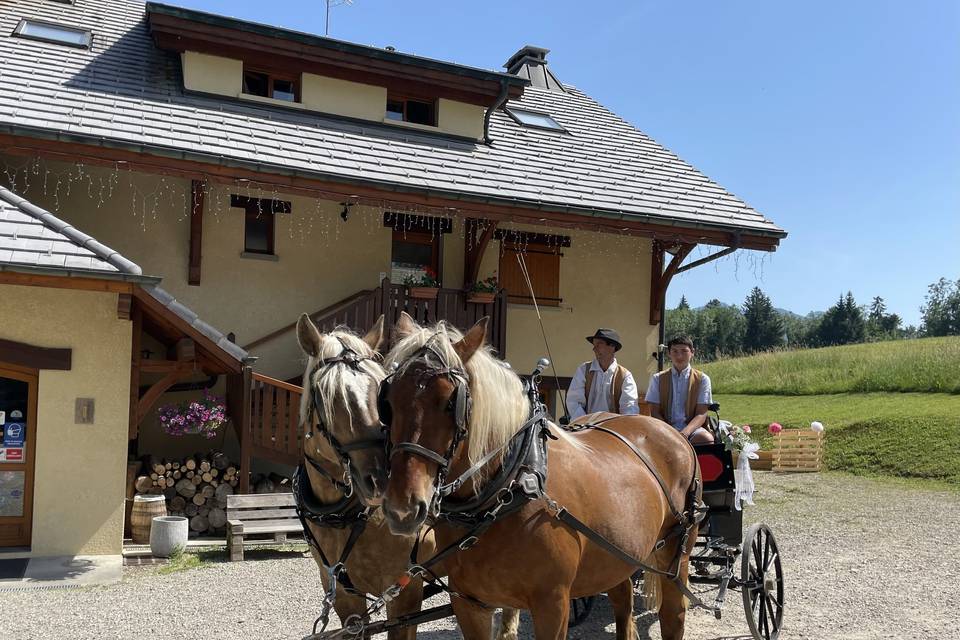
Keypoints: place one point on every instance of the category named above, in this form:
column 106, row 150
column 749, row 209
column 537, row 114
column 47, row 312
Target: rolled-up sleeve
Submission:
column 576, row 395
column 629, row 396
column 653, row 391
column 706, row 391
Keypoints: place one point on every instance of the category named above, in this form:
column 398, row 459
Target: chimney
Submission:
column 531, row 63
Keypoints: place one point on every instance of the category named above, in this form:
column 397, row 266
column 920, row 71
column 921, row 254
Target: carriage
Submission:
column 721, row 542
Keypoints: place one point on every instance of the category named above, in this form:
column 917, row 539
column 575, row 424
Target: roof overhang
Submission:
column 179, row 29
column 170, row 161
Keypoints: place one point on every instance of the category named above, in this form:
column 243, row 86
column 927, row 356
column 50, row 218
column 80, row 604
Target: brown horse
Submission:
column 340, row 385
column 530, row 559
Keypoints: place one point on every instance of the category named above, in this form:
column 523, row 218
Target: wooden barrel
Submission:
column 145, row 508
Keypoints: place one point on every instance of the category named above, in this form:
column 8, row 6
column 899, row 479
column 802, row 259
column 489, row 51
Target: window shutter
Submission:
column 543, row 266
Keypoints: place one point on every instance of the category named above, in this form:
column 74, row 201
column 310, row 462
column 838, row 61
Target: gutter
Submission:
column 504, row 90
column 79, row 273
column 223, row 161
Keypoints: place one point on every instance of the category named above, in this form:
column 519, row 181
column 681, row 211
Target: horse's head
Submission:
column 339, row 404
column 430, row 401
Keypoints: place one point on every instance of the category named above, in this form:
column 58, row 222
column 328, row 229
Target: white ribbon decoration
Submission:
column 743, row 477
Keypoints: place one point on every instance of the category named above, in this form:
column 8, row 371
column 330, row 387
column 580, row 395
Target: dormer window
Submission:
column 407, row 109
column 56, row 33
column 270, row 84
column 534, row 119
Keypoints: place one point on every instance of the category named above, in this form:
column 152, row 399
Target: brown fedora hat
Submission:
column 609, row 335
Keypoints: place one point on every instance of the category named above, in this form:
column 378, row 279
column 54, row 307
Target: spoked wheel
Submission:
column 580, row 609
column 761, row 575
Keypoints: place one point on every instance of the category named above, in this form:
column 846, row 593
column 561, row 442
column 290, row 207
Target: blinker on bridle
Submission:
column 353, row 360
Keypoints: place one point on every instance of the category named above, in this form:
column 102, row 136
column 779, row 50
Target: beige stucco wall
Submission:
column 344, row 98
column 604, row 278
column 212, row 74
column 460, row 118
column 80, row 468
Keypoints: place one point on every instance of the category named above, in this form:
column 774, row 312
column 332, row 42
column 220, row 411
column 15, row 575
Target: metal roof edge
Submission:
column 220, row 160
column 332, row 43
column 78, row 273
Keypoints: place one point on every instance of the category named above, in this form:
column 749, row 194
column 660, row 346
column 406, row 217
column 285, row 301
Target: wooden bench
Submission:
column 261, row 514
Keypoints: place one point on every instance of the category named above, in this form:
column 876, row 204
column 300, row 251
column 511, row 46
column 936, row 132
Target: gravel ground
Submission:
column 862, row 559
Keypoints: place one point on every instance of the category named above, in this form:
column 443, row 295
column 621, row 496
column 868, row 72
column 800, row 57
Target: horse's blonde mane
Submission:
column 331, row 383
column 499, row 404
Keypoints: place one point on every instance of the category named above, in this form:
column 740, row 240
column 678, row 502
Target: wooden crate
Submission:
column 798, row 450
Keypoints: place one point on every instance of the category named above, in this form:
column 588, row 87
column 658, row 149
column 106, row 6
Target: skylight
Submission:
column 57, row 33
column 534, row 119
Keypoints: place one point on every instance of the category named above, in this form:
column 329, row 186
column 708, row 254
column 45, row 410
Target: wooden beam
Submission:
column 377, row 196
column 166, row 366
column 196, row 232
column 474, row 248
column 133, row 426
column 65, row 282
column 156, row 390
column 660, row 278
column 124, row 302
column 31, row 357
column 246, row 444
column 186, row 350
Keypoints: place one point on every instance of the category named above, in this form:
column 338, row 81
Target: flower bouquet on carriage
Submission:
column 736, row 438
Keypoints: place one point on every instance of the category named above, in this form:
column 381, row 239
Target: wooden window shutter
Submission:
column 543, row 265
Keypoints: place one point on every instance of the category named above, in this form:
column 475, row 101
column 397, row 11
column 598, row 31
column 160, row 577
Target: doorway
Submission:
column 18, row 422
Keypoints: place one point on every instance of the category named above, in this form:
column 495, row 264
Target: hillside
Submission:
column 928, row 365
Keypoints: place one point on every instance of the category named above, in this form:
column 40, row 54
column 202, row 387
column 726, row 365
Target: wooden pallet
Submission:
column 798, row 451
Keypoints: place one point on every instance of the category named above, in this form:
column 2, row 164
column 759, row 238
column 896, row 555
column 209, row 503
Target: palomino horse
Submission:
column 530, row 559
column 339, row 411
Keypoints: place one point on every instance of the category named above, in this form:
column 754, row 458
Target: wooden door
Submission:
column 18, row 406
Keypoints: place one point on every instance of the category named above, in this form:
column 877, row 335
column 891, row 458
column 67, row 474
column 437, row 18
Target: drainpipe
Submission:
column 496, row 105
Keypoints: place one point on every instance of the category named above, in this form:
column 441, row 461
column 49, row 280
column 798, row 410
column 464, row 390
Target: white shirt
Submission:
column 601, row 394
column 678, row 399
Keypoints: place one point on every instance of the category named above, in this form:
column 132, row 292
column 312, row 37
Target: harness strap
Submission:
column 423, row 452
column 342, row 486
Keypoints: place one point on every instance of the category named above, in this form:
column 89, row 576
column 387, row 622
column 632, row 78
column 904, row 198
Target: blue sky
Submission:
column 840, row 121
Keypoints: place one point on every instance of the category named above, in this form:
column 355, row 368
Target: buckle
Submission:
column 467, row 543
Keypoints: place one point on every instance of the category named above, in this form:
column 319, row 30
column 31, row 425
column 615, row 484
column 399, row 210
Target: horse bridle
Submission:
column 351, row 359
column 459, row 405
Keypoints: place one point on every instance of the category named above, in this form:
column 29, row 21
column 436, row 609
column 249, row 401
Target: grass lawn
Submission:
column 910, row 435
column 930, row 365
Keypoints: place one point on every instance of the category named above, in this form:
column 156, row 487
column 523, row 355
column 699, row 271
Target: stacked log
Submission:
column 195, row 487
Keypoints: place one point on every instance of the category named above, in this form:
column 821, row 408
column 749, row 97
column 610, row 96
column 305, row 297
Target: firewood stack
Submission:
column 196, row 487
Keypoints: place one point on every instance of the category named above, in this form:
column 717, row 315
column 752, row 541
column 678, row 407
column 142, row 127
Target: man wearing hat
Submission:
column 602, row 384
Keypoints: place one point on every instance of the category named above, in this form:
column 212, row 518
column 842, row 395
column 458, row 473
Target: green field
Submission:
column 890, row 408
column 929, row 365
column 909, row 435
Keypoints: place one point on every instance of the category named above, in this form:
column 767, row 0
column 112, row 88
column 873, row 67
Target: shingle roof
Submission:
column 125, row 92
column 35, row 241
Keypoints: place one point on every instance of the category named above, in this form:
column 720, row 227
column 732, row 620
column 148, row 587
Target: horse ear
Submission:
column 308, row 336
column 472, row 340
column 374, row 337
column 405, row 325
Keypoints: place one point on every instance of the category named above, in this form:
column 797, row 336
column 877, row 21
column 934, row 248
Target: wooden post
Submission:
column 660, row 278
column 474, row 248
column 246, row 380
column 196, row 231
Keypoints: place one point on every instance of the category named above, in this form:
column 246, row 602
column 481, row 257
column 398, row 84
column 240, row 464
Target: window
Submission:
column 416, row 110
column 49, row 32
column 417, row 244
column 534, row 119
column 541, row 254
column 271, row 85
column 259, row 222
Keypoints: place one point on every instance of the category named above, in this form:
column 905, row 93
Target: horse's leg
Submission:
column 476, row 623
column 409, row 601
column 509, row 624
column 621, row 598
column 551, row 612
column 673, row 607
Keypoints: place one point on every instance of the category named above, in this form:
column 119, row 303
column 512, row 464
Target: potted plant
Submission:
column 424, row 286
column 484, row 291
column 203, row 417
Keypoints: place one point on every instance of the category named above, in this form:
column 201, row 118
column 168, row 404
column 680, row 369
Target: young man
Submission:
column 602, row 384
column 681, row 395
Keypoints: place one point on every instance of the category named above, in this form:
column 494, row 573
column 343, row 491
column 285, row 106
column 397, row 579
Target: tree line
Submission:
column 726, row 330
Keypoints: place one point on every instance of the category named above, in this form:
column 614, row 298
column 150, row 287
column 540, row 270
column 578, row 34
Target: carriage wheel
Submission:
column 761, row 575
column 580, row 609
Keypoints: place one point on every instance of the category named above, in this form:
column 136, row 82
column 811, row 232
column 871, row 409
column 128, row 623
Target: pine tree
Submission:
column 843, row 323
column 683, row 303
column 764, row 328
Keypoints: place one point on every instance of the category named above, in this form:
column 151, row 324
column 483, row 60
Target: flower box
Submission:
column 423, row 293
column 481, row 297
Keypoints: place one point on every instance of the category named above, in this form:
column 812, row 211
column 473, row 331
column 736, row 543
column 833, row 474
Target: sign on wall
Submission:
column 13, row 442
